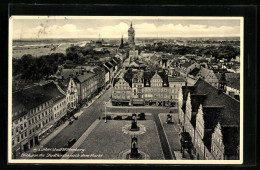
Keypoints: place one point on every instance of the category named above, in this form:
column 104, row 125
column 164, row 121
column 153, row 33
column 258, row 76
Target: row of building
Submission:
column 37, row 110
column 212, row 120
column 191, row 71
column 137, row 86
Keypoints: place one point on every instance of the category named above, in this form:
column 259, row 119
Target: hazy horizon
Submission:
column 115, row 27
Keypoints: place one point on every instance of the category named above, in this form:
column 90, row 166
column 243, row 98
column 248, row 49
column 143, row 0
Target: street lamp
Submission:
column 105, row 112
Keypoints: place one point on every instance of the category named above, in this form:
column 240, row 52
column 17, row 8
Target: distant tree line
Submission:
column 82, row 54
column 223, row 51
column 36, row 68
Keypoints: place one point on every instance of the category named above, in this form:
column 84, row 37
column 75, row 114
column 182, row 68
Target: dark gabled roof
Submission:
column 197, row 100
column 128, row 77
column 207, row 140
column 230, row 139
column 31, row 97
column 115, row 80
column 230, row 114
column 234, row 83
column 211, row 116
column 36, row 95
column 113, row 62
column 108, row 65
column 194, row 72
column 164, row 77
column 147, row 78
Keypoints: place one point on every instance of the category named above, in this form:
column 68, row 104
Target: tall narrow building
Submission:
column 131, row 37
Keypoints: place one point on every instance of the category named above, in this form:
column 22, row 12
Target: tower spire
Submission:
column 131, row 24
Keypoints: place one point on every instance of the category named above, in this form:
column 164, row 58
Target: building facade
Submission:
column 212, row 120
column 121, row 92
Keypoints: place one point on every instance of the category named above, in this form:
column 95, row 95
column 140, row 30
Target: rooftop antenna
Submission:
column 99, row 37
column 131, row 24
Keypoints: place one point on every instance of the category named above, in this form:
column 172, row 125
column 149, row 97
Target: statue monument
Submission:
column 134, row 126
column 134, row 148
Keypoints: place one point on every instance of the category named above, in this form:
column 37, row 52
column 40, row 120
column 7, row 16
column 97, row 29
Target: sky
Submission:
column 115, row 27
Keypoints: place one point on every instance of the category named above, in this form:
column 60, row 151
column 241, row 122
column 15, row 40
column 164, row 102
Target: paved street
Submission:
column 92, row 113
column 79, row 126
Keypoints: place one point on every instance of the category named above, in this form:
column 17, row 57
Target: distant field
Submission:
column 36, row 51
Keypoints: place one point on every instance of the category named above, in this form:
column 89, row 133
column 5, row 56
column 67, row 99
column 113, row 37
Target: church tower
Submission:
column 122, row 43
column 131, row 37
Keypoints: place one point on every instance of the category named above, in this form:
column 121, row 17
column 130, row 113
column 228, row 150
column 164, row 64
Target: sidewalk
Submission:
column 48, row 138
column 172, row 134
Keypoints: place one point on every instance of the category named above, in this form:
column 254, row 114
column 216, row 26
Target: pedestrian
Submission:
column 99, row 117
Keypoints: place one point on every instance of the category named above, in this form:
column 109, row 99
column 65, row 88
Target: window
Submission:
column 18, row 139
column 22, row 136
column 12, row 142
column 25, row 134
column 25, row 124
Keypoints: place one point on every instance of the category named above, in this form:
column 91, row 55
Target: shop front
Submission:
column 138, row 102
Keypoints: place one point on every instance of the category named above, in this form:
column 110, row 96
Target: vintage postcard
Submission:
column 125, row 90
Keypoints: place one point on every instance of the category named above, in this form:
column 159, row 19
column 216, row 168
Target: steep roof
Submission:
column 234, row 83
column 194, row 72
column 186, row 64
column 147, row 78
column 230, row 139
column 230, row 114
column 36, row 95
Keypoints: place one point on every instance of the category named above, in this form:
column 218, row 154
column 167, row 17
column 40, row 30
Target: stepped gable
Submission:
column 230, row 113
column 164, row 77
column 128, row 77
column 147, row 78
